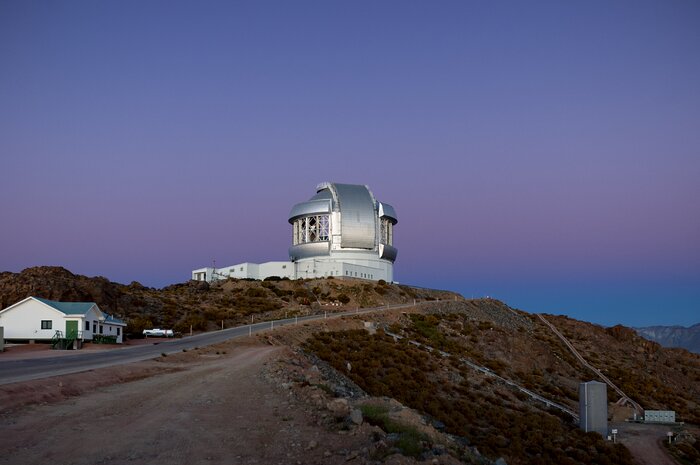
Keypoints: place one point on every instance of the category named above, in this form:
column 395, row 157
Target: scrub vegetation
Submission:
column 497, row 419
column 201, row 306
column 476, row 408
column 489, row 416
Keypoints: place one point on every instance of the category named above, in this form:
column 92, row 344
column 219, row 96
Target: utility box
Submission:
column 659, row 416
column 593, row 407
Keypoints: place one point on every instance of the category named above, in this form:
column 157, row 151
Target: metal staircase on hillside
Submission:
column 624, row 398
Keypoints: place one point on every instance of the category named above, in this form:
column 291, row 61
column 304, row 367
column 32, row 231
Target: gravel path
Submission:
column 217, row 410
column 645, row 442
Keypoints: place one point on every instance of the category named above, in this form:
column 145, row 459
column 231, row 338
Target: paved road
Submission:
column 13, row 371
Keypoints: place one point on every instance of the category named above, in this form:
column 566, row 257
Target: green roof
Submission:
column 69, row 308
column 111, row 319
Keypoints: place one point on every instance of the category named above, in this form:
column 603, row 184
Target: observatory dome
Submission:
column 342, row 230
column 344, row 224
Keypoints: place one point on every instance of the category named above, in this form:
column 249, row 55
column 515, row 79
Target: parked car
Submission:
column 158, row 332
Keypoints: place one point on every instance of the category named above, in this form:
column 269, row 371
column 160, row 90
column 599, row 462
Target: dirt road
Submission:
column 644, row 442
column 218, row 410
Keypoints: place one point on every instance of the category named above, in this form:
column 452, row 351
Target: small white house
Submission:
column 37, row 319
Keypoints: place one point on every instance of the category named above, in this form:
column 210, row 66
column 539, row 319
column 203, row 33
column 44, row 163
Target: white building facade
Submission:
column 341, row 231
column 37, row 319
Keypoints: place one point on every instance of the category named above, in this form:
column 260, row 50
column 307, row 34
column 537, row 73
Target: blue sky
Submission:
column 544, row 153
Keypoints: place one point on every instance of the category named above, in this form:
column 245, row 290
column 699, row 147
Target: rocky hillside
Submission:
column 201, row 306
column 482, row 408
column 478, row 392
column 674, row 336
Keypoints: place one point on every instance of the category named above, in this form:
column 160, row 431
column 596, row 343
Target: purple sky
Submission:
column 544, row 153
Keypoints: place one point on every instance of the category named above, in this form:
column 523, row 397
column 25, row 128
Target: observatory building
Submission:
column 343, row 231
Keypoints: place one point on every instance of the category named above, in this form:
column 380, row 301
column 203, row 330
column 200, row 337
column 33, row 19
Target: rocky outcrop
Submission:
column 57, row 283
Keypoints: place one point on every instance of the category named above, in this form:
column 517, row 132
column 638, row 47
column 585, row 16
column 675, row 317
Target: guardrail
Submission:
column 488, row 372
column 271, row 324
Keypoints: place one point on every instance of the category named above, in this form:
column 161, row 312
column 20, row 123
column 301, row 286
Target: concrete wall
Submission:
column 202, row 274
column 357, row 264
column 281, row 269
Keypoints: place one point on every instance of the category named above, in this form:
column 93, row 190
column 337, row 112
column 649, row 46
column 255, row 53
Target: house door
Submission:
column 71, row 329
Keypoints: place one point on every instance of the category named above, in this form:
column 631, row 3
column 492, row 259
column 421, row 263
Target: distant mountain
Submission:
column 673, row 336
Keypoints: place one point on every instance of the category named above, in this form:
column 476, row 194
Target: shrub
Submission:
column 301, row 293
column 410, row 439
column 255, row 292
column 343, row 298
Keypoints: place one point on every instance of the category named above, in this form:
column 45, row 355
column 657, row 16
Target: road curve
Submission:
column 13, row 371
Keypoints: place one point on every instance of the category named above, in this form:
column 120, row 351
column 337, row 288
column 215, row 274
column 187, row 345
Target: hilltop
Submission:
column 203, row 306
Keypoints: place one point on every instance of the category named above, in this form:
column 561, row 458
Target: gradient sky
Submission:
column 543, row 153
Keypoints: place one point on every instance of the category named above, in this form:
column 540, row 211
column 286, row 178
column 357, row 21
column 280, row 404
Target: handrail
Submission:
column 585, row 363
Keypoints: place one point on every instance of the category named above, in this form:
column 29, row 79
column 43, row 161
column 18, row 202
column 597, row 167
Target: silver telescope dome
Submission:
column 342, row 230
column 342, row 218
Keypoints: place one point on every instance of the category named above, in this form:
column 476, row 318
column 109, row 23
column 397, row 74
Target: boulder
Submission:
column 339, row 408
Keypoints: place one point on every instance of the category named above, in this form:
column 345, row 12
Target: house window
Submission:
column 101, row 329
column 87, row 326
column 94, row 326
column 46, row 324
column 118, row 331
